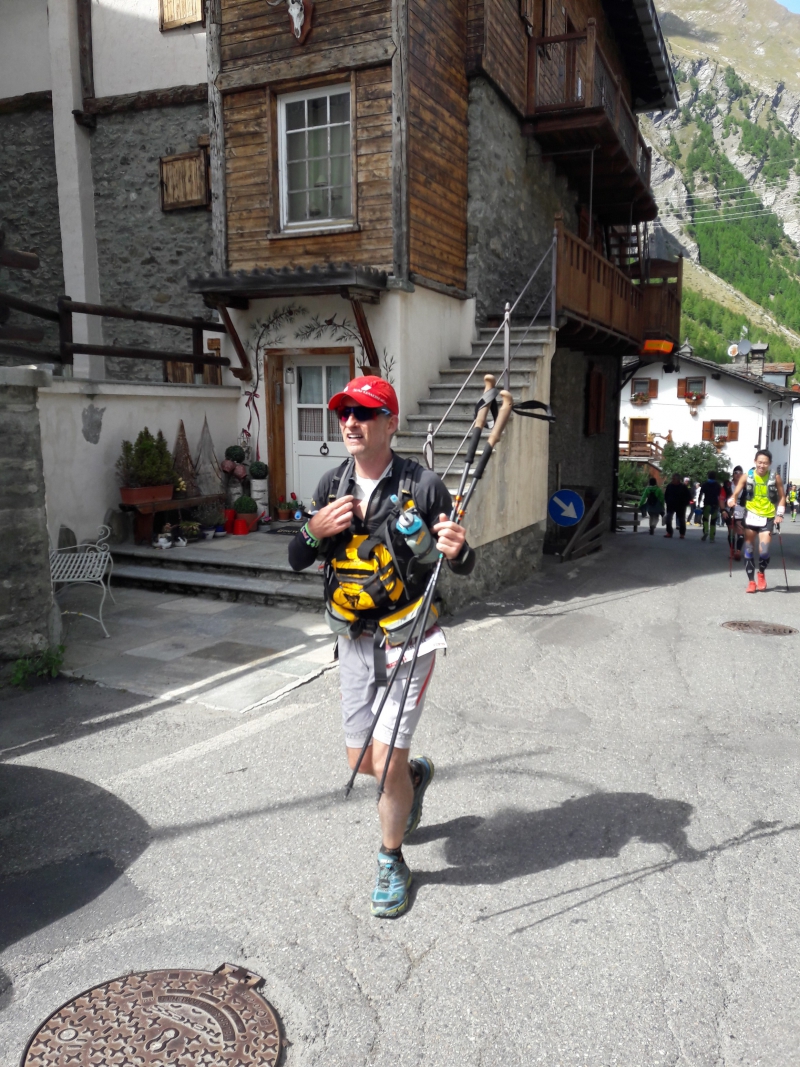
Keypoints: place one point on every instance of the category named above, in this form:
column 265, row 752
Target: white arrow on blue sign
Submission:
column 565, row 507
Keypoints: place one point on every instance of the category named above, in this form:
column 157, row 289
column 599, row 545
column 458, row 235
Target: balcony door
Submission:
column 638, row 437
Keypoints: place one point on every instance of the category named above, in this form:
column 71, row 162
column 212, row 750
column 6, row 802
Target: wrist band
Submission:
column 308, row 537
column 780, row 509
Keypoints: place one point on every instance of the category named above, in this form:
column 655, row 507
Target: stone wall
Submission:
column 29, row 620
column 587, row 463
column 502, row 564
column 29, row 216
column 513, row 199
column 146, row 254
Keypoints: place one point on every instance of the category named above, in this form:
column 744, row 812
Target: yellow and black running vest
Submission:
column 762, row 493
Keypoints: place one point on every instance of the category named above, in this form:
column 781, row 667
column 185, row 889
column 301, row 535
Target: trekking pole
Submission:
column 731, row 539
column 783, row 558
column 458, row 512
column 485, row 404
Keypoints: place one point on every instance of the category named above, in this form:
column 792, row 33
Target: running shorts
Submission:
column 766, row 527
column 361, row 696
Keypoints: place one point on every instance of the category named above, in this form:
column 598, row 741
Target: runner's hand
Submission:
column 778, row 520
column 332, row 519
column 450, row 537
column 732, row 502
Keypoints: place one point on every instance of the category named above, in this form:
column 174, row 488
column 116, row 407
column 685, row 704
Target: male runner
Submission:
column 736, row 532
column 792, row 497
column 368, row 416
column 765, row 506
column 709, row 498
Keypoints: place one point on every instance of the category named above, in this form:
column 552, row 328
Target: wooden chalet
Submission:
column 395, row 169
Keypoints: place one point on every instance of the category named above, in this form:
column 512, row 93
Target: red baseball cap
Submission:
column 369, row 392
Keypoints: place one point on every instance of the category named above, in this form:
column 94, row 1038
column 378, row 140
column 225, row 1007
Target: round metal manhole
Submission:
column 763, row 629
column 160, row 1018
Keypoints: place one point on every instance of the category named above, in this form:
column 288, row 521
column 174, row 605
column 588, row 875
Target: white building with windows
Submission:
column 727, row 405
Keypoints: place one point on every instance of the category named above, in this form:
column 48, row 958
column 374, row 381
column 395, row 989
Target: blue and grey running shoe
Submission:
column 390, row 895
column 423, row 768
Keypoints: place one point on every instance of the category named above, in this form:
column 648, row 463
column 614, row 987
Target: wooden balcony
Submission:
column 578, row 113
column 604, row 307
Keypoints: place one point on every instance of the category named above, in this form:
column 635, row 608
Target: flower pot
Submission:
column 230, row 516
column 249, row 519
column 240, row 528
column 207, row 532
column 220, row 531
column 284, row 514
column 258, row 490
column 146, row 494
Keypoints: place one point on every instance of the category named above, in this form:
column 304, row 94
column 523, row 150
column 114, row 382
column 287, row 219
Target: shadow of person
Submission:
column 514, row 843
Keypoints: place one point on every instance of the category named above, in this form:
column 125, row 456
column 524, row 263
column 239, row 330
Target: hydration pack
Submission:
column 772, row 486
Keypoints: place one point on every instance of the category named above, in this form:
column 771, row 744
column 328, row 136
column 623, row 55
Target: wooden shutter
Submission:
column 708, row 431
column 526, row 11
column 681, row 387
column 786, row 434
column 595, row 402
column 780, row 427
column 652, row 386
column 175, row 13
column 184, row 180
column 733, row 431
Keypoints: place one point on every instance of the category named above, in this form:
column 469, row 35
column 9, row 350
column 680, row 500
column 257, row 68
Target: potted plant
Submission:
column 209, row 517
column 145, row 469
column 246, row 509
column 190, row 531
column 297, row 507
column 640, row 399
column 258, row 482
column 284, row 509
column 693, row 400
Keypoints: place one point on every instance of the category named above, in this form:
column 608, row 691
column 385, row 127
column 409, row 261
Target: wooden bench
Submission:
column 143, row 519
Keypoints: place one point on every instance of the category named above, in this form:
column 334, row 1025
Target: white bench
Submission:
column 89, row 563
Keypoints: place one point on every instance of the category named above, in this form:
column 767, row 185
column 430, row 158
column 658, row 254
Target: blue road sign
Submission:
column 565, row 507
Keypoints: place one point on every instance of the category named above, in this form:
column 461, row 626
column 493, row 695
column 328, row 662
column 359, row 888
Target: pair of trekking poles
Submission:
column 487, row 403
column 732, row 535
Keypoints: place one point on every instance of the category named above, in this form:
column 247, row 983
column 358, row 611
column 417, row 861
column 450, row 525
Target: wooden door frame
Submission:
column 274, row 360
column 637, row 418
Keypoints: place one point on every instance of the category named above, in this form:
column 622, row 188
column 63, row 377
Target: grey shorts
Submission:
column 361, row 696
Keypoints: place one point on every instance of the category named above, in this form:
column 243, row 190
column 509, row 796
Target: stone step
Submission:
column 272, row 566
column 456, row 377
column 222, row 586
column 493, row 360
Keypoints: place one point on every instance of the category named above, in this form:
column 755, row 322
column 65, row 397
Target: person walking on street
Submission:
column 676, row 499
column 792, row 497
column 690, row 506
column 373, row 575
column 652, row 503
column 765, row 507
column 708, row 498
column 737, row 531
column 698, row 510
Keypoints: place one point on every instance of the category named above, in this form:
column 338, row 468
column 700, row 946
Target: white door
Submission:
column 314, row 441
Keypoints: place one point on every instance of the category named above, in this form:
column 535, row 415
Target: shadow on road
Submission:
column 514, row 843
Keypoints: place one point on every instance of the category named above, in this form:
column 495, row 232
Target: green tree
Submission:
column 694, row 461
column 632, row 478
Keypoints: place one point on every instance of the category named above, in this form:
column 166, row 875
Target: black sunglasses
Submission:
column 360, row 413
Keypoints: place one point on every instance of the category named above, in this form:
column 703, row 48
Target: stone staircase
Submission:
column 525, row 363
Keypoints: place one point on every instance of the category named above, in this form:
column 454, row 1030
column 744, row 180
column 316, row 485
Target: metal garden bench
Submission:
column 89, row 563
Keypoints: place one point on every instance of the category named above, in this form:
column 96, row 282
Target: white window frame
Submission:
column 313, row 225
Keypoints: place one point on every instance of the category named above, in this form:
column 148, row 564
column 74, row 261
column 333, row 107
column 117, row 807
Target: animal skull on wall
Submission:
column 300, row 12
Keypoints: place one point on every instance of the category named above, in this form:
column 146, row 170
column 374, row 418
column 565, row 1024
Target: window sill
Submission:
column 321, row 231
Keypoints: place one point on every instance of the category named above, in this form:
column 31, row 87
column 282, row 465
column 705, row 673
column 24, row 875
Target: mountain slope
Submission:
column 726, row 168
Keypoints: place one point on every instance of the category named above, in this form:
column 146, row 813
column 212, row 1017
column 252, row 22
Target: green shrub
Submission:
column 43, row 665
column 148, row 462
column 259, row 470
column 245, row 505
column 694, row 461
column 235, row 453
column 633, row 478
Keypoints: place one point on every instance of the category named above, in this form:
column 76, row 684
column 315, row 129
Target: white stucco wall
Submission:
column 80, row 477
column 24, row 55
column 131, row 54
column 726, row 400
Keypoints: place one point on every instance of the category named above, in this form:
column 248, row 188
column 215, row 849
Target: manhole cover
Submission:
column 765, row 629
column 159, row 1018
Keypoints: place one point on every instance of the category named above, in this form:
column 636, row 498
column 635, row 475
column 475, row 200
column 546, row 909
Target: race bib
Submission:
column 433, row 640
column 738, row 512
column 755, row 520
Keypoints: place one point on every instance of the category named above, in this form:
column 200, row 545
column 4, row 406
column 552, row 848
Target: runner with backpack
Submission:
column 765, row 506
column 380, row 522
column 652, row 503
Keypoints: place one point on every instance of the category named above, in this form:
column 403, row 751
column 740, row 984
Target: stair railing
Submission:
column 551, row 253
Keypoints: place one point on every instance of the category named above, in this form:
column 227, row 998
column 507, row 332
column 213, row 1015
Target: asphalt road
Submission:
column 606, row 872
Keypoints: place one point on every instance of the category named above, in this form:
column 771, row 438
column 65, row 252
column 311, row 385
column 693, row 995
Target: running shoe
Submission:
column 751, row 587
column 423, row 769
column 761, row 578
column 705, row 535
column 390, row 895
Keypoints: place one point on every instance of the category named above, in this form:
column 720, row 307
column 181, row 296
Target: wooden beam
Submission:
column 366, row 336
column 354, row 57
column 11, row 257
column 276, row 433
column 400, row 219
column 245, row 372
column 85, row 54
column 34, row 334
column 109, row 312
column 11, row 105
column 216, row 128
column 17, row 304
column 71, row 347
column 146, row 101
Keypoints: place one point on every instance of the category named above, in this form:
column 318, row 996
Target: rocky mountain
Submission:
column 726, row 170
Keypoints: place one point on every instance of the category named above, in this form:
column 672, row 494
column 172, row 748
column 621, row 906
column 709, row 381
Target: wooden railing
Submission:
column 570, row 71
column 641, row 450
column 661, row 314
column 592, row 288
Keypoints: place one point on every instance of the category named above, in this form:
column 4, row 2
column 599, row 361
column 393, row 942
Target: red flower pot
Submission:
column 239, row 528
column 146, row 494
column 230, row 518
